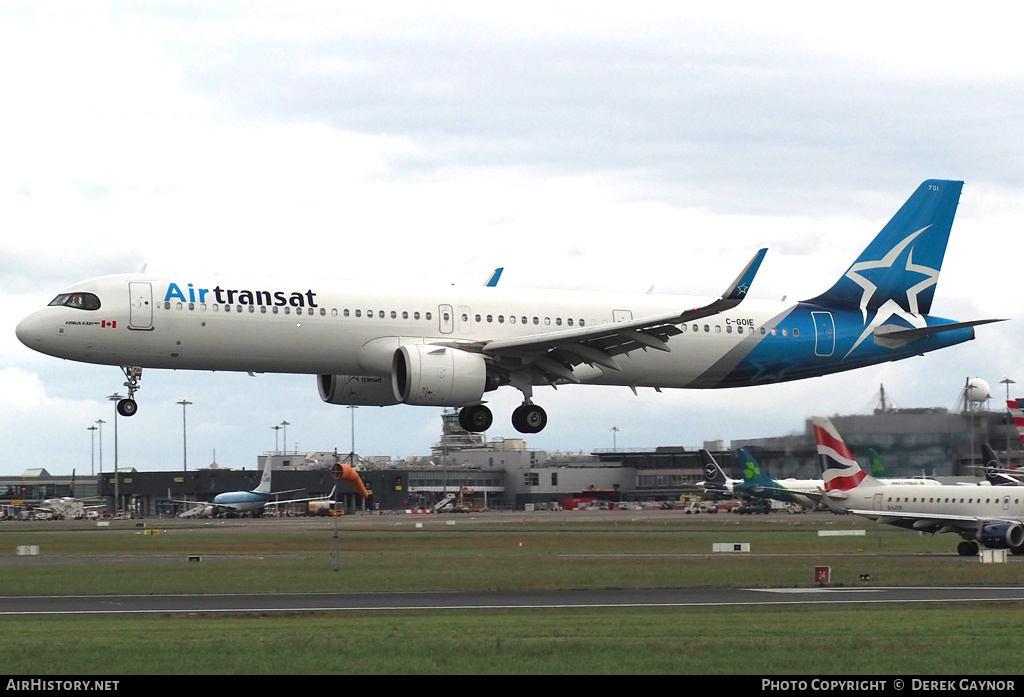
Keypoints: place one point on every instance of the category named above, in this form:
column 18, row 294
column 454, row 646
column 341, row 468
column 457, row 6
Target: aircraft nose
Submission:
column 29, row 331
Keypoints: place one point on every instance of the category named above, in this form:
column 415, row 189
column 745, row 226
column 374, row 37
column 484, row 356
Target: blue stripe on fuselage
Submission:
column 796, row 350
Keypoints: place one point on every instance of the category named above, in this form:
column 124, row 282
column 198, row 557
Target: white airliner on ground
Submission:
column 991, row 515
column 449, row 345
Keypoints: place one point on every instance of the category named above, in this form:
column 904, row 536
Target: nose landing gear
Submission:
column 128, row 406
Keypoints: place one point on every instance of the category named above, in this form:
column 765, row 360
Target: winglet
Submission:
column 492, row 280
column 738, row 290
column 732, row 296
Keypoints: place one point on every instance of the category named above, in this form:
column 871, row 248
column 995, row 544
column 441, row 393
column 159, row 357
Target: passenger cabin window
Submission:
column 78, row 301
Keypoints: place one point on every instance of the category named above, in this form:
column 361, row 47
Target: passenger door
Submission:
column 140, row 313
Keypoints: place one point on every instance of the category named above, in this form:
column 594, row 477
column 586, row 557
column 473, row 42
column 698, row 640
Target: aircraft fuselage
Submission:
column 335, row 327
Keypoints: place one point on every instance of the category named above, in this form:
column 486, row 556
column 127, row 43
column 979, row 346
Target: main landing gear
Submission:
column 970, row 548
column 527, row 418
column 967, row 548
column 128, row 406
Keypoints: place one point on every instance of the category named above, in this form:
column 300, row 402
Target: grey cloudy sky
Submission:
column 580, row 145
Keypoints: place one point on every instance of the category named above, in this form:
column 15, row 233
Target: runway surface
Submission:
column 347, row 602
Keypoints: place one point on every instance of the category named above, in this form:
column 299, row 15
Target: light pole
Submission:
column 115, row 398
column 184, row 435
column 615, row 433
column 285, row 425
column 1008, row 382
column 100, row 422
column 1009, row 414
column 92, row 450
column 277, row 433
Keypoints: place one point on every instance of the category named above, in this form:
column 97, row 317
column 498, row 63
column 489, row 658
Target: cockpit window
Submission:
column 79, row 301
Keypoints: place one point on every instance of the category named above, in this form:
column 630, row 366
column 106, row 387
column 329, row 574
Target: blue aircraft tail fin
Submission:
column 902, row 263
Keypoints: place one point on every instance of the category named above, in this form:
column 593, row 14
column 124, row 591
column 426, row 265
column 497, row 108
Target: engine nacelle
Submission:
column 1001, row 535
column 359, row 390
column 437, row 376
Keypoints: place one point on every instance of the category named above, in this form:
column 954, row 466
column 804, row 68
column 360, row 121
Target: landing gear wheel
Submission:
column 127, row 406
column 967, row 548
column 475, row 419
column 529, row 418
column 1017, row 551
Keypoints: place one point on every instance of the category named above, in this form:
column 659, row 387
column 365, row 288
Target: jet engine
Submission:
column 1001, row 535
column 439, row 376
column 359, row 390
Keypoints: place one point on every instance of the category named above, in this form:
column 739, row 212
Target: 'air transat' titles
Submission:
column 234, row 296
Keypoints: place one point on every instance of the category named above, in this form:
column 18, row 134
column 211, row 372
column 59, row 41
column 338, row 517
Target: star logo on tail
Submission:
column 890, row 297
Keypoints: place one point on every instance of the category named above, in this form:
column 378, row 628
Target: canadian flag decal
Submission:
column 105, row 323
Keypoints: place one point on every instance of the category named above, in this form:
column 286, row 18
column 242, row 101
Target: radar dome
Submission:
column 977, row 390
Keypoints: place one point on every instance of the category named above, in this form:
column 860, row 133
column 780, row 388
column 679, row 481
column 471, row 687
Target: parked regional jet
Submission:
column 448, row 346
column 991, row 515
column 253, row 502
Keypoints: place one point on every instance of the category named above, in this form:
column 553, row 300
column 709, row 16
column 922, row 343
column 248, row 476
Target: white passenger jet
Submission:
column 449, row 345
column 991, row 515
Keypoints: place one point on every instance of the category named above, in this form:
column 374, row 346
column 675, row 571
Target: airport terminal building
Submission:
column 473, row 473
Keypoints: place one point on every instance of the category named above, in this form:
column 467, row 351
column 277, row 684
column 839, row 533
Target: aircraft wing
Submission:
column 932, row 522
column 327, row 497
column 554, row 354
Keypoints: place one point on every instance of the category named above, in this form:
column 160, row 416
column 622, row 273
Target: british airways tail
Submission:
column 839, row 469
column 901, row 265
column 1014, row 406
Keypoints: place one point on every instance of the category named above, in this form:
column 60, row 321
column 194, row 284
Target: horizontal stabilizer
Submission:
column 894, row 337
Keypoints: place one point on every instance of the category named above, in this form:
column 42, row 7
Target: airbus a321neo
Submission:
column 450, row 345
